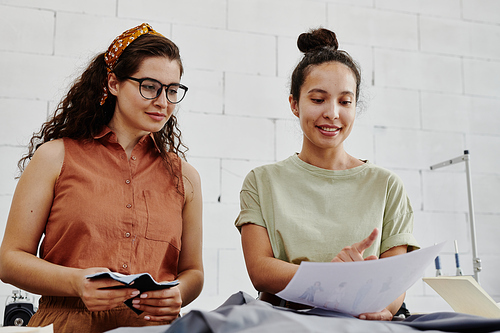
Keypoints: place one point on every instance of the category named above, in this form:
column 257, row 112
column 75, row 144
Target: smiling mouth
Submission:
column 329, row 129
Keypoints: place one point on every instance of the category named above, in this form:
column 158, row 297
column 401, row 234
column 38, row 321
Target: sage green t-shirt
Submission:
column 311, row 214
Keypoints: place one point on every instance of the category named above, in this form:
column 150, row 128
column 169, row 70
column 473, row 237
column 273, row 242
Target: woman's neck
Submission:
column 126, row 139
column 330, row 159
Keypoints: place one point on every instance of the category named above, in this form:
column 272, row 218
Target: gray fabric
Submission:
column 242, row 313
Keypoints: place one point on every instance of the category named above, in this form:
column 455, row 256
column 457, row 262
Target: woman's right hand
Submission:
column 355, row 251
column 96, row 293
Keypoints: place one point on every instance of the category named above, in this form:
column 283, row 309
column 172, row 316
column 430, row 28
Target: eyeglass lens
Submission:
column 151, row 89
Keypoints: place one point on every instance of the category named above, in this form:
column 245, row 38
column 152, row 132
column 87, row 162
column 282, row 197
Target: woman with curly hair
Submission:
column 108, row 190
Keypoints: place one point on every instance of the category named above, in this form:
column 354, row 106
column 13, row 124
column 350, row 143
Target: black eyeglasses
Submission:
column 151, row 89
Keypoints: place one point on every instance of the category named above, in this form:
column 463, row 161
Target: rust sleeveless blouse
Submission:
column 111, row 212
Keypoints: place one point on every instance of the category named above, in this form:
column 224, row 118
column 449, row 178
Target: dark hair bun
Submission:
column 317, row 38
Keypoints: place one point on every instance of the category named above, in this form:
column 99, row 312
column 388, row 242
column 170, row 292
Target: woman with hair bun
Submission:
column 107, row 190
column 322, row 204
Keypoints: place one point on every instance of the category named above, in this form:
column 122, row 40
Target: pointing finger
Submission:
column 367, row 242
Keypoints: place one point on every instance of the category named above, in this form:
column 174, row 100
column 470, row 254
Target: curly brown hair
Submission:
column 80, row 116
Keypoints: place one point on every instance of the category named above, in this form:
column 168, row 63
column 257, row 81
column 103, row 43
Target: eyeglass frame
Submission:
column 158, row 92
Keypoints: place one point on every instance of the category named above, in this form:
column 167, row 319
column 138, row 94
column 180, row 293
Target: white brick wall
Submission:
column 277, row 18
column 436, row 34
column 374, row 27
column 431, row 79
column 418, row 71
column 481, row 10
column 19, row 27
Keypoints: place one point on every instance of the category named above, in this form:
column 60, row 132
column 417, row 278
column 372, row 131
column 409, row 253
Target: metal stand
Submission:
column 476, row 262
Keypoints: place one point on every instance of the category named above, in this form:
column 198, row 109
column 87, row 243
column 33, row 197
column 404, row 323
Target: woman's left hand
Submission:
column 159, row 305
column 382, row 315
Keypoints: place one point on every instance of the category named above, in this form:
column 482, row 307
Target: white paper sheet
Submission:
column 358, row 287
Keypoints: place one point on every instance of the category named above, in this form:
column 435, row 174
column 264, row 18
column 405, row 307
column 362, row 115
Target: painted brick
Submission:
column 481, row 77
column 487, row 224
column 219, row 231
column 226, row 50
column 414, row 149
column 20, row 118
column 363, row 56
column 484, row 157
column 233, row 275
column 481, row 10
column 365, row 116
column 445, row 191
column 227, row 136
column 459, row 38
column 395, row 107
column 360, row 142
column 233, row 174
column 211, row 274
column 206, row 91
column 412, row 181
column 412, row 70
column 484, row 116
column 488, row 277
column 446, row 112
column 48, row 76
column 8, row 168
column 288, row 138
column 360, row 3
column 88, row 7
column 373, row 27
column 209, row 170
column 485, row 189
column 209, row 13
column 27, row 30
column 279, row 17
column 99, row 32
column 440, row 8
column 256, row 96
column 432, row 227
column 288, row 57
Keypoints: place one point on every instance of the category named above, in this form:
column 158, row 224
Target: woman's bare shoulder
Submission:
column 192, row 181
column 49, row 155
column 190, row 172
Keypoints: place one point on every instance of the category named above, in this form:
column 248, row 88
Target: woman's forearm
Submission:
column 36, row 275
column 190, row 285
column 267, row 273
column 271, row 275
column 396, row 304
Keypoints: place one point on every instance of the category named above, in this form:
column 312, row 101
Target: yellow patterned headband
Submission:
column 119, row 45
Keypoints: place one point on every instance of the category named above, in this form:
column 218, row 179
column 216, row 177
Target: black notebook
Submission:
column 142, row 282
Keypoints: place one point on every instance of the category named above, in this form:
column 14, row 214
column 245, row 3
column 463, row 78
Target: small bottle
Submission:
column 457, row 261
column 438, row 266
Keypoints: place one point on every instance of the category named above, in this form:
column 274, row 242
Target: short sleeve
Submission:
column 398, row 218
column 250, row 209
